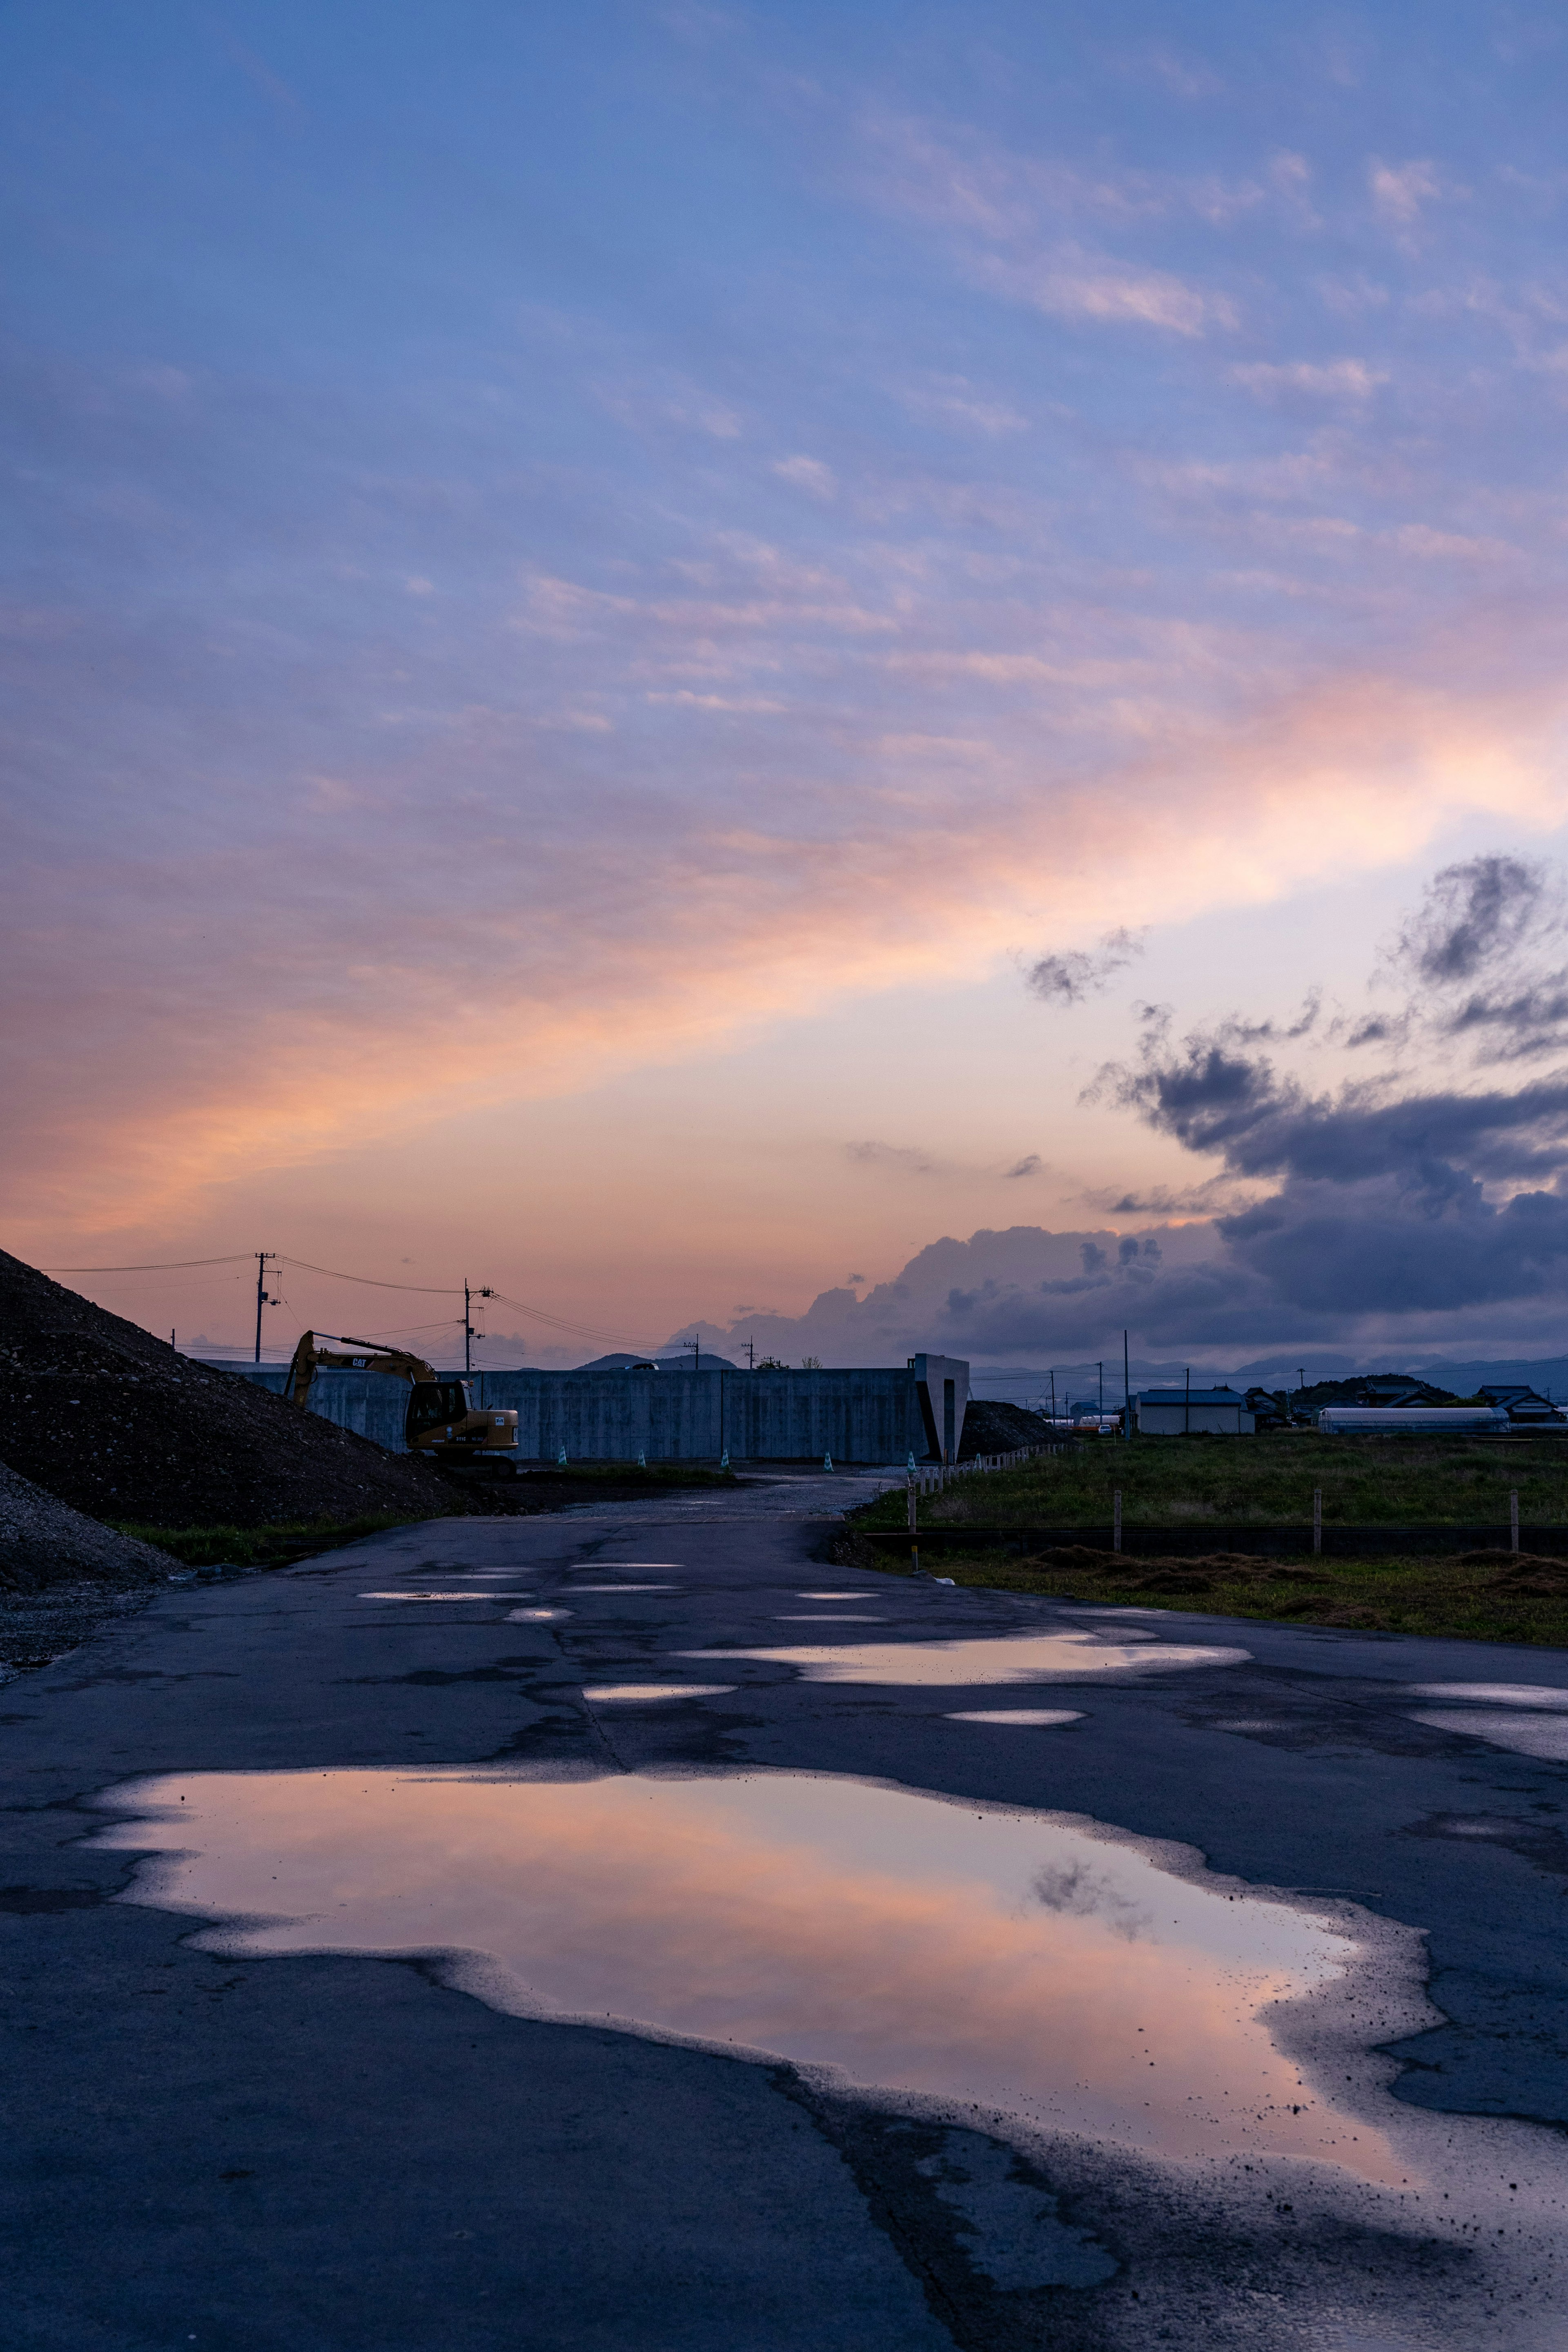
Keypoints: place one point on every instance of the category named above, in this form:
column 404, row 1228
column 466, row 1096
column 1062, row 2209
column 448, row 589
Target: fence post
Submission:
column 1116, row 1520
column 1317, row 1518
column 1513, row 1518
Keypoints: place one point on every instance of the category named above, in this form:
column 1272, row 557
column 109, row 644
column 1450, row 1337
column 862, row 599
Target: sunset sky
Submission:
column 639, row 637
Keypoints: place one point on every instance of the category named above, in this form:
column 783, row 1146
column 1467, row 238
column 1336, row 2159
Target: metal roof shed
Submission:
column 1192, row 1412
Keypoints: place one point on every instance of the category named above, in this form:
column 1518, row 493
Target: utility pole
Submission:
column 696, row 1348
column 751, row 1355
column 1100, row 1370
column 468, row 1296
column 1187, row 1408
column 1053, row 1394
column 1126, row 1391
column 262, row 1298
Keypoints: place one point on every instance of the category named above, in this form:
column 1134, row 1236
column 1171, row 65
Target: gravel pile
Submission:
column 62, row 1575
column 44, row 1541
column 106, row 1418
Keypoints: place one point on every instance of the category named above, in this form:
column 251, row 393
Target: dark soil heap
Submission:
column 992, row 1427
column 98, row 1413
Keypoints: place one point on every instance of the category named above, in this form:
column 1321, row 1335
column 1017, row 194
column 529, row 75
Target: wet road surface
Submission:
column 780, row 1954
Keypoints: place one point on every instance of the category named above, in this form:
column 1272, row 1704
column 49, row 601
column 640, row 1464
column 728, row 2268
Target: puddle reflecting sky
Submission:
column 1002, row 1658
column 525, row 1595
column 1036, row 1714
column 1544, row 1736
column 968, row 1953
column 655, row 1690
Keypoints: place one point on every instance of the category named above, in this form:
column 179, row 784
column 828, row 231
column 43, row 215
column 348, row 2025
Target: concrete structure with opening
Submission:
column 881, row 1414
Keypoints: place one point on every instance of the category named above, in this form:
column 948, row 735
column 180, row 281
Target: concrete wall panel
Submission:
column 872, row 1415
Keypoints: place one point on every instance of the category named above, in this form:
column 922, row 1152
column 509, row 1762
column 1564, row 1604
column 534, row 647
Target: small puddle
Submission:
column 1530, row 1718
column 534, row 1616
column 1002, row 1658
column 623, row 1588
column 445, row 1596
column 625, row 1691
column 1537, row 1695
column 1544, row 1736
column 821, row 1617
column 1046, row 1715
column 974, row 1955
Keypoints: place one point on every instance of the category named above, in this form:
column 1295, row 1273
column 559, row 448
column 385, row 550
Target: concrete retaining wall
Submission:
column 880, row 1415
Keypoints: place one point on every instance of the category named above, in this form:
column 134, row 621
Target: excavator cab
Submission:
column 436, row 1405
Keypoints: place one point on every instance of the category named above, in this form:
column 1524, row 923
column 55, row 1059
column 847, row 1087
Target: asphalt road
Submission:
column 329, row 2150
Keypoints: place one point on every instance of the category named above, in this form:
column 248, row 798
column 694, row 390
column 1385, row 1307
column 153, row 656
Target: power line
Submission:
column 587, row 1330
column 369, row 1282
column 429, row 1289
column 174, row 1265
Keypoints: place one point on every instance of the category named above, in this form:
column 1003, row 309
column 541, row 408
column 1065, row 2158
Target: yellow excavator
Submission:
column 441, row 1421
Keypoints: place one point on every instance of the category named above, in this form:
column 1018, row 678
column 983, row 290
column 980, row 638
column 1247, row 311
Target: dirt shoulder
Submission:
column 1485, row 1596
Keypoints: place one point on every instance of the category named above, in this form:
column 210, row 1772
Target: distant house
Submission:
column 1268, row 1410
column 1192, row 1412
column 1392, row 1392
column 1521, row 1404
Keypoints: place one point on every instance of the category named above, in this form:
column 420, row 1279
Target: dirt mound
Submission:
column 100, row 1413
column 992, row 1427
column 44, row 1541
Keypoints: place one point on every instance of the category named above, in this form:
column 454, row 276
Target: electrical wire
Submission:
column 175, row 1266
column 369, row 1281
column 587, row 1330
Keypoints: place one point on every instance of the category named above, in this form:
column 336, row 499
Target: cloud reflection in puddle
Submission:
column 962, row 1952
column 1001, row 1658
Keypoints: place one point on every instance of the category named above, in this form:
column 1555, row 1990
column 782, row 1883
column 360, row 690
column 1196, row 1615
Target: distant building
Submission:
column 1523, row 1405
column 1408, row 1420
column 1192, row 1412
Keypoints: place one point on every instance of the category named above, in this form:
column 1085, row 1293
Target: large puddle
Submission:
column 975, row 1955
column 997, row 1658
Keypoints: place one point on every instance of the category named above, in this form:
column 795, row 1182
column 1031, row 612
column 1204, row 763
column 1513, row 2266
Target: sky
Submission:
column 870, row 676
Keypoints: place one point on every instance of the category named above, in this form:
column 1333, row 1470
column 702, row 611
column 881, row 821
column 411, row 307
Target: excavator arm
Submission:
column 440, row 1421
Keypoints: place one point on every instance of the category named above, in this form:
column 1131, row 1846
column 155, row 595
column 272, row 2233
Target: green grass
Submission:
column 269, row 1547
column 1477, row 1598
column 1395, row 1479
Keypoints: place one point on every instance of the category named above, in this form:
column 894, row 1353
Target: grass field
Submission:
column 1395, row 1479
column 1269, row 1480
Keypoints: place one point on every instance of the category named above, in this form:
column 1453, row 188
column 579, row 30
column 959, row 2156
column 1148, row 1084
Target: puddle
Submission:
column 1001, row 1658
column 1539, row 1695
column 534, row 1616
column 622, row 1691
column 977, row 1956
column 845, row 1617
column 1018, row 1714
column 445, row 1596
column 623, row 1588
column 839, row 1596
column 1545, row 1735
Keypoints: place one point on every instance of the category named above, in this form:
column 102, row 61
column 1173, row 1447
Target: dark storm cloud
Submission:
column 1484, row 957
column 1069, row 977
